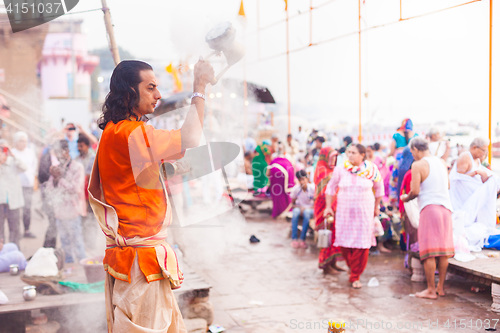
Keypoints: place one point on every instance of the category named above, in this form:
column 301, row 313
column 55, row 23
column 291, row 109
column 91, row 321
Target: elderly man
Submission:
column 473, row 193
column 11, row 192
column 429, row 182
column 437, row 146
column 26, row 154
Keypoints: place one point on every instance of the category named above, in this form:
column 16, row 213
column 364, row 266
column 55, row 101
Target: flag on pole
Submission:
column 241, row 12
column 175, row 75
column 286, row 5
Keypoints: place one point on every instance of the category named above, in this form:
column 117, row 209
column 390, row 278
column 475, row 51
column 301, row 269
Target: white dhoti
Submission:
column 142, row 307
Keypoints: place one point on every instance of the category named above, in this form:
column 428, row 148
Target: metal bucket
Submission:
column 324, row 238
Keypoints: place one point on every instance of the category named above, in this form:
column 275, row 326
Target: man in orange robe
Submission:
column 127, row 194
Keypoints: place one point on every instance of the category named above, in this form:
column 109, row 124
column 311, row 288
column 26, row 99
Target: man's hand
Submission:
column 404, row 197
column 473, row 174
column 55, row 171
column 203, row 75
column 484, row 176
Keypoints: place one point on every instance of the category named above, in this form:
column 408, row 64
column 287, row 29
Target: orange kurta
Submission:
column 138, row 198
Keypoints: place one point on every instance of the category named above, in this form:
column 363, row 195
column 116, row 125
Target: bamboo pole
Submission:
column 111, row 34
column 360, row 135
column 258, row 29
column 490, row 81
column 288, row 70
column 245, row 98
column 310, row 22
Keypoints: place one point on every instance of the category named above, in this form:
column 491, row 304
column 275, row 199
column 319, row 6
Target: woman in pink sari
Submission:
column 281, row 180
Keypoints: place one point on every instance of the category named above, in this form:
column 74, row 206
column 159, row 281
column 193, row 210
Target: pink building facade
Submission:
column 66, row 66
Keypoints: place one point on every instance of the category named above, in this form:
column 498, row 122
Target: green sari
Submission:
column 259, row 166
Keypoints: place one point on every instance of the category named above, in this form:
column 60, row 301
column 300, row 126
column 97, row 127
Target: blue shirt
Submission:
column 73, row 148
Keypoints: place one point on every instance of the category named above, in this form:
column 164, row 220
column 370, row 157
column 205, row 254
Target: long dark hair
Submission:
column 407, row 137
column 123, row 93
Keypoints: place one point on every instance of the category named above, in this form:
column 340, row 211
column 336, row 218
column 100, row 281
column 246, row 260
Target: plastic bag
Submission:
column 378, row 228
column 373, row 282
column 43, row 263
column 412, row 210
column 493, row 242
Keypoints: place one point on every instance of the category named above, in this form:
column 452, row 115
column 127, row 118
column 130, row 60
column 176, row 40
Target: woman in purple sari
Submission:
column 281, row 180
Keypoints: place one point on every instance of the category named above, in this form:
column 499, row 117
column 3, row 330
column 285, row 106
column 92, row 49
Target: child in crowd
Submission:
column 303, row 201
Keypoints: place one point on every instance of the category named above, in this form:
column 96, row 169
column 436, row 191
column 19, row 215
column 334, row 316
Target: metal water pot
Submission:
column 14, row 269
column 29, row 293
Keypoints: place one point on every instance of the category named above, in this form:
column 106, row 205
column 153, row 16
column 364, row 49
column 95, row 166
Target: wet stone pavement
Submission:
column 271, row 287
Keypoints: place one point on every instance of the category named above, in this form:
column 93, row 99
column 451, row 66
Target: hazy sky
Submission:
column 432, row 68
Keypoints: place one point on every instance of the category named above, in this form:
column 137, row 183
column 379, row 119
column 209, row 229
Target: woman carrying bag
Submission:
column 360, row 189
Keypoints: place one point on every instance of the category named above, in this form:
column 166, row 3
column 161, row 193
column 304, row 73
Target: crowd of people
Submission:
column 60, row 171
column 353, row 190
column 316, row 180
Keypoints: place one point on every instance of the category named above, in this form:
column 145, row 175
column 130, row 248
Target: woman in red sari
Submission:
column 328, row 257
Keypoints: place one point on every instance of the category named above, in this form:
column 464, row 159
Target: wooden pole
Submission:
column 310, row 22
column 360, row 135
column 111, row 35
column 245, row 98
column 258, row 29
column 74, row 69
column 491, row 62
column 288, row 71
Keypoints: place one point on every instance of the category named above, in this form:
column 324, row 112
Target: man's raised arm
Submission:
column 192, row 128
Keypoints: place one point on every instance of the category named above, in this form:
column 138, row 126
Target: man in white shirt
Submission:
column 301, row 138
column 335, row 141
column 437, row 146
column 27, row 155
column 11, row 193
column 291, row 149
